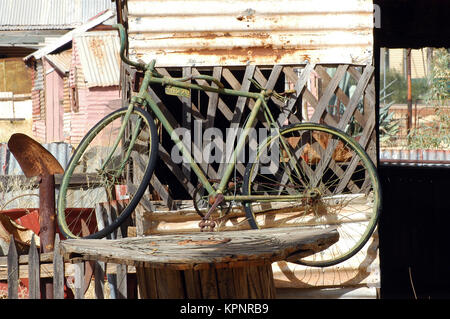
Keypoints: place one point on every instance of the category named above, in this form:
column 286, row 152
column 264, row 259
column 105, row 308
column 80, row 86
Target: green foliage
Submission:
column 389, row 126
column 436, row 135
column 439, row 92
column 399, row 88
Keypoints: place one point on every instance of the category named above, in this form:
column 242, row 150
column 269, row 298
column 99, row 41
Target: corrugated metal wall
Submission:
column 99, row 57
column 94, row 74
column 213, row 32
column 10, row 166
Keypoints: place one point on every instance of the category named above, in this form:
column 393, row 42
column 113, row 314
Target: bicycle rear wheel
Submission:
column 334, row 178
column 100, row 174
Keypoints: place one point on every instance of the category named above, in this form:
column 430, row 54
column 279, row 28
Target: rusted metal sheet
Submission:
column 48, row 14
column 212, row 32
column 10, row 166
column 67, row 37
column 99, row 57
column 61, row 61
column 33, row 158
column 93, row 106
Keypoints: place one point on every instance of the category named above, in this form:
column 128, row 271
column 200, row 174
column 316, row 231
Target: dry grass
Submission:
column 18, row 192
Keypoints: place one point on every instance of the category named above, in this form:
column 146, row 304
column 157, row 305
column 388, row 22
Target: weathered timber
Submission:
column 13, row 270
column 233, row 264
column 33, row 272
column 202, row 250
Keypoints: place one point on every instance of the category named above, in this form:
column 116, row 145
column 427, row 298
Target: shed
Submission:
column 75, row 82
column 317, row 47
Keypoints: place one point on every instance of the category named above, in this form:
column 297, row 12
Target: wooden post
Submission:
column 79, row 280
column 58, row 271
column 99, row 275
column 13, row 270
column 34, row 291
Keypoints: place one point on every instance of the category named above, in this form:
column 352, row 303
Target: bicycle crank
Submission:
column 206, row 222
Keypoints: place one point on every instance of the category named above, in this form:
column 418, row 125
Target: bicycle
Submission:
column 323, row 176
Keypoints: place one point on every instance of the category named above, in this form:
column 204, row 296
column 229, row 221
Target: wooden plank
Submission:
column 23, row 259
column 191, row 280
column 175, row 169
column 226, row 284
column 79, row 280
column 58, row 271
column 13, row 270
column 328, row 93
column 169, row 284
column 121, row 281
column 240, row 283
column 213, row 99
column 121, row 276
column 356, row 96
column 186, row 118
column 340, row 95
column 299, row 87
column 99, row 280
column 208, row 284
column 33, row 272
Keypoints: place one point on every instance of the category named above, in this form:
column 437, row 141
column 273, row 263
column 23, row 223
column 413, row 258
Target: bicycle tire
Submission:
column 339, row 198
column 88, row 157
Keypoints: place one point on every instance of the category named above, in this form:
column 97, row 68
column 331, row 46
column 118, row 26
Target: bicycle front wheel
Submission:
column 334, row 179
column 107, row 169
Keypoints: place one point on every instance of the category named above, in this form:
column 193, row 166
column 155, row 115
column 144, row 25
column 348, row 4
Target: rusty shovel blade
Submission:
column 33, row 158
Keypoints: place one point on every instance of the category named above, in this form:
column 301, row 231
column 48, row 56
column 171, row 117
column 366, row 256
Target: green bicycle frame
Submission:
column 143, row 98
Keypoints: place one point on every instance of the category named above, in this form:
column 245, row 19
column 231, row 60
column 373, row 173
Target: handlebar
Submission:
column 123, row 45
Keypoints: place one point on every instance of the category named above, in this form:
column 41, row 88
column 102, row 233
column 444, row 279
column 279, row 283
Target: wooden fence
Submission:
column 83, row 279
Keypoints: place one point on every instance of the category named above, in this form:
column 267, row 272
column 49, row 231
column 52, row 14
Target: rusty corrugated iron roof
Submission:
column 69, row 35
column 61, row 60
column 99, row 56
column 49, row 14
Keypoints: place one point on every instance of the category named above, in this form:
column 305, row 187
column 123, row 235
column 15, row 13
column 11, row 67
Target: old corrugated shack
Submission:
column 75, row 82
column 27, row 26
column 328, row 44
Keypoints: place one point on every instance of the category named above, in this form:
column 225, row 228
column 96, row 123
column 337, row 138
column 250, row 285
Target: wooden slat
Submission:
column 79, row 280
column 187, row 117
column 58, row 271
column 356, row 96
column 13, row 270
column 174, row 168
column 238, row 111
column 33, row 272
column 299, row 86
column 99, row 280
column 328, row 93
